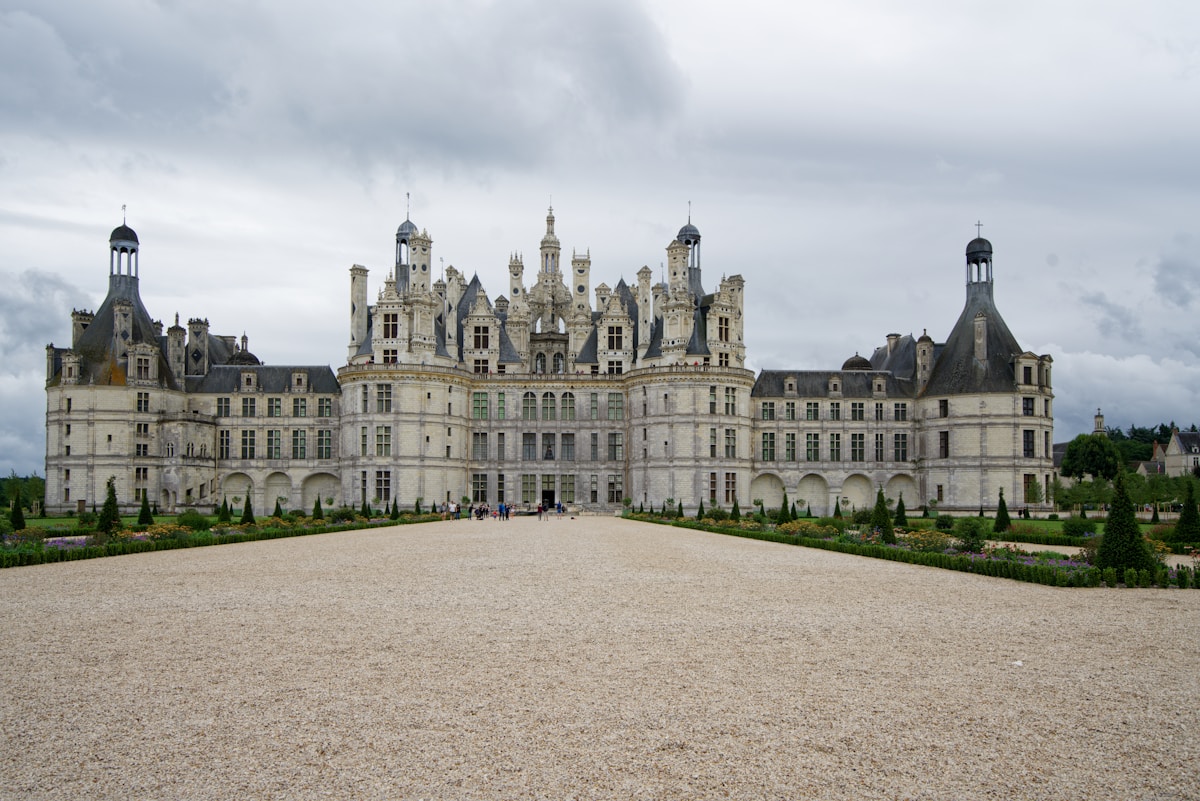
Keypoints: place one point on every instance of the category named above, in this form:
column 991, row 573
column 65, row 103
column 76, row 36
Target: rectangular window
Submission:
column 835, row 447
column 944, row 444
column 943, row 408
column 141, row 449
column 529, row 406
column 731, row 443
column 480, row 366
column 768, row 446
column 616, row 488
column 568, row 406
column 858, row 447
column 1027, row 438
column 222, row 407
column 548, row 406
column 479, row 446
column 594, row 405
column 616, row 406
column 712, row 400
column 566, row 489
column 500, row 446
column 812, row 447
column 383, row 486
column 391, row 356
column 858, row 411
column 325, row 443
column 900, row 447
column 1027, row 407
column 223, row 444
column 383, row 440
column 712, row 443
column 789, row 410
column 547, row 486
column 568, row 447
column 499, row 405
column 479, row 405
column 730, row 487
column 529, row 447
column 730, row 400
column 366, row 403
column 1046, row 449
column 712, row 487
column 879, row 411
column 482, row 339
column 479, row 486
column 1027, row 373
column 391, row 326
column 789, row 446
column 616, row 338
column 768, row 410
column 615, row 368
column 325, row 407
column 248, row 407
column 548, row 447
column 528, row 488
column 941, row 493
column 299, row 407
column 364, row 443
column 880, row 448
column 143, row 402
column 835, row 410
column 812, row 410
column 616, row 446
column 900, row 411
column 274, row 407
column 274, row 446
column 500, row 488
column 247, row 444
column 723, row 329
column 143, row 368
column 383, row 397
column 141, row 429
column 299, row 443
column 595, row 450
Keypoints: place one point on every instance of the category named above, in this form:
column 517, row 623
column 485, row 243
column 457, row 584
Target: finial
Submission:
column 442, row 275
column 978, row 226
column 122, row 214
column 689, row 212
column 407, row 205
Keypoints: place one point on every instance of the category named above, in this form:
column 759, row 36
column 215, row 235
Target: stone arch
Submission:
column 768, row 487
column 813, row 490
column 319, row 485
column 903, row 485
column 278, row 485
column 858, row 492
column 237, row 485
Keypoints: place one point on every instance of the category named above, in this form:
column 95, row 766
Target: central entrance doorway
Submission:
column 548, row 498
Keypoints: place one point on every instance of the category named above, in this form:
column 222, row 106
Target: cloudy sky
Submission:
column 836, row 155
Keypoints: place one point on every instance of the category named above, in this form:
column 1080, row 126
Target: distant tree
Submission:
column 808, row 510
column 901, row 518
column 318, row 512
column 1187, row 528
column 247, row 512
column 145, row 517
column 278, row 509
column 679, row 511
column 110, row 514
column 1002, row 522
column 365, row 511
column 417, row 506
column 837, row 507
column 735, row 513
column 1091, row 455
column 16, row 516
column 395, row 514
column 881, row 519
column 784, row 514
column 224, row 515
column 699, row 510
column 793, row 512
column 971, row 533
column 1033, row 492
column 1122, row 545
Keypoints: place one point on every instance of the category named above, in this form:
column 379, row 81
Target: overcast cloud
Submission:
column 836, row 155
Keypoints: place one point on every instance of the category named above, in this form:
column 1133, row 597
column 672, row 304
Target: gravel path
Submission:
column 588, row 658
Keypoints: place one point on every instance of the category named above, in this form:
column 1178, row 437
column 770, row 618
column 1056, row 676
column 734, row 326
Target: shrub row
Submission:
column 30, row 556
column 1052, row 575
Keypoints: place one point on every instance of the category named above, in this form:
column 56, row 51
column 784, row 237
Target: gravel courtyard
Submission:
column 588, row 658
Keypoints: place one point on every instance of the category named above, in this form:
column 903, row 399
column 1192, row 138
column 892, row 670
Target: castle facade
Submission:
column 555, row 393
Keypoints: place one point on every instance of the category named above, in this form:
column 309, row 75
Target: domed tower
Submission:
column 979, row 261
column 123, row 251
column 404, row 261
column 551, row 249
column 689, row 235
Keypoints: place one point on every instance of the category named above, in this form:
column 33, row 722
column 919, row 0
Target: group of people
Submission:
column 501, row 511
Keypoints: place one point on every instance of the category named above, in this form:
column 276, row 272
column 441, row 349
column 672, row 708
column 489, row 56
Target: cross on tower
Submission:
column 978, row 226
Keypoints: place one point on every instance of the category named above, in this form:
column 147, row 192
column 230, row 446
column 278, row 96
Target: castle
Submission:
column 557, row 393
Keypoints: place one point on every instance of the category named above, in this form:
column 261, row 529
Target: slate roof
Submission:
column 273, row 378
column 853, row 384
column 956, row 370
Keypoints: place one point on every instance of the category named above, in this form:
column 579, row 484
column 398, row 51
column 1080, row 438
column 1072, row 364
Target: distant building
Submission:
column 558, row 393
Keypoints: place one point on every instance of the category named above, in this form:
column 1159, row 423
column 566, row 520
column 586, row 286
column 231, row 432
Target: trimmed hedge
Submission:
column 199, row 539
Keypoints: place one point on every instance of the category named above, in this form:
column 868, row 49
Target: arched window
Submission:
column 548, row 406
column 539, row 363
column 529, row 406
column 568, row 406
column 559, row 363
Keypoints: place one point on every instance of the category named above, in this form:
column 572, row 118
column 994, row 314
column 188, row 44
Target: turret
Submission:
column 176, row 350
column 197, row 348
column 581, row 274
column 550, row 249
column 358, row 308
